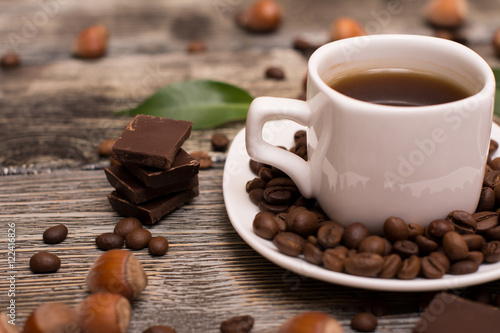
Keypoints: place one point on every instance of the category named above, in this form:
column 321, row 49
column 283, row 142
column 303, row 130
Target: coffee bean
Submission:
column 415, row 230
column 277, row 172
column 331, row 223
column 301, row 221
column 106, row 147
column 312, row 253
column 10, row 60
column 300, row 135
column 493, row 146
column 463, row 267
column 108, row 241
column 219, row 142
column 289, row 243
column 454, row 246
column 364, row 264
column 256, row 195
column 160, row 329
column 491, row 179
column 493, row 233
column 55, row 234
column 255, row 183
column 203, row 158
column 395, row 229
column 126, row 225
column 341, row 249
column 463, row 222
column 392, row 265
column 496, row 191
column 158, row 246
column 474, row 241
column 426, row 245
column 282, row 182
column 138, row 239
column 280, row 219
column 410, row 268
column 442, row 258
column 239, row 324
column 364, row 322
column 278, row 195
column 44, row 262
column 377, row 305
column 333, row 260
column 276, row 73
column 312, row 239
column 475, row 256
column 372, row 244
column 486, row 200
column 265, row 225
column 354, row 234
column 304, row 202
column 432, row 268
column 329, row 236
column 485, row 220
column 351, row 253
column 266, row 174
column 388, row 247
column 405, row 248
column 438, row 228
column 491, row 251
column 255, row 166
column 275, row 209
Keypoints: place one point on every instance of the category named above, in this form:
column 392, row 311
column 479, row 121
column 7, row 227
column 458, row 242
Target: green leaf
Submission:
column 496, row 71
column 206, row 103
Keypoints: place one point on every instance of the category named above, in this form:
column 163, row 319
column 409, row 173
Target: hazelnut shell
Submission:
column 311, row 322
column 52, row 317
column 104, row 312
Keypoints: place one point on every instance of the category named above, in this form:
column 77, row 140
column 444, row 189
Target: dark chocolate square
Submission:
column 151, row 141
column 183, row 167
column 135, row 192
column 152, row 211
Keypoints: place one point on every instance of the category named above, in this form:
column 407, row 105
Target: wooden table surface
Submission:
column 55, row 110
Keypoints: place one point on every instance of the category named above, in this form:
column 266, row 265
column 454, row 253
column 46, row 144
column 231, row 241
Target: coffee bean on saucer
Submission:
column 364, row 264
column 267, row 207
column 266, row 173
column 491, row 179
column 475, row 256
column 265, row 225
column 158, row 246
column 391, row 267
column 109, row 240
column 405, row 248
column 495, row 163
column 44, row 262
column 333, row 260
column 372, row 244
column 410, row 269
column 354, row 234
column 55, row 234
column 203, row 158
column 463, row 267
column 256, row 195
column 255, row 166
column 138, row 239
column 312, row 253
column 493, row 146
column 491, row 251
column 126, row 225
column 395, row 229
column 485, row 220
column 438, row 228
column 219, row 142
column 414, row 230
column 289, row 243
column 432, row 268
column 254, row 184
column 329, row 236
column 486, row 200
column 454, row 246
column 463, row 221
column 301, row 221
column 442, row 258
column 364, row 322
column 426, row 245
column 278, row 195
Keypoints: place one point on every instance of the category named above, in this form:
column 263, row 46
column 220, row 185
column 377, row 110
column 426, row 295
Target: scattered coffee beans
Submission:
column 239, row 324
column 138, row 239
column 202, row 157
column 276, row 73
column 44, row 262
column 158, row 246
column 55, row 234
column 219, row 142
column 160, row 329
column 364, row 322
column 289, row 243
column 126, row 225
column 109, row 240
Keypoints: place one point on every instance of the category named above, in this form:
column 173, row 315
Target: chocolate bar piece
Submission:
column 151, row 141
column 450, row 313
column 152, row 211
column 135, row 192
column 183, row 167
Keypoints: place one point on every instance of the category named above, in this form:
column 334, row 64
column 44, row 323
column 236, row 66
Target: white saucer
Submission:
column 241, row 212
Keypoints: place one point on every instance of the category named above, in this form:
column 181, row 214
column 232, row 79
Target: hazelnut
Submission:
column 446, row 13
column 496, row 43
column 345, row 27
column 117, row 271
column 91, row 42
column 52, row 317
column 311, row 322
column 105, row 147
column 5, row 326
column 104, row 312
column 262, row 16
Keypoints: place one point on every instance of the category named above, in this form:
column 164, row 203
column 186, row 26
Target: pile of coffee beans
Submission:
column 129, row 231
column 456, row 244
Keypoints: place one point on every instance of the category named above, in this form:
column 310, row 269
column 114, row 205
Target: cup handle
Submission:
column 263, row 109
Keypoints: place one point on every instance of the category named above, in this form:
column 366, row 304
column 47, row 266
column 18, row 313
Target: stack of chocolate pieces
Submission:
column 155, row 174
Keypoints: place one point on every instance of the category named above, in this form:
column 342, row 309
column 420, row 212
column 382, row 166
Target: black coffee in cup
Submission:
column 399, row 87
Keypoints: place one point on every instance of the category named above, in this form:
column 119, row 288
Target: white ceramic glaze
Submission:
column 367, row 161
column 241, row 212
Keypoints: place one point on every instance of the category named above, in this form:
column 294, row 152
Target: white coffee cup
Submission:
column 367, row 162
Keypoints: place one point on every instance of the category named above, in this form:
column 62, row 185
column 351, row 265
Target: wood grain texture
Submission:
column 55, row 110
